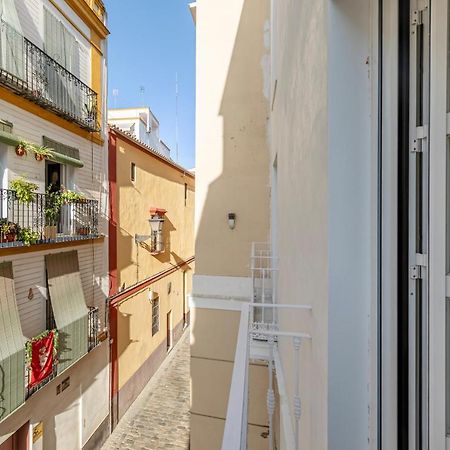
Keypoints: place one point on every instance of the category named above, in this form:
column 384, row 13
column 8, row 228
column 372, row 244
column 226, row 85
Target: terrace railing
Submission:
column 30, row 72
column 77, row 220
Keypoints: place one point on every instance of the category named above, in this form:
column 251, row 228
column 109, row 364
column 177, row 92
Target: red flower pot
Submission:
column 20, row 151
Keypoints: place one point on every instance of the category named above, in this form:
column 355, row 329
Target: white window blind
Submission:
column 60, row 44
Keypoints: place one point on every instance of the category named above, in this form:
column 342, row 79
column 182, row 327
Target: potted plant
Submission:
column 68, row 196
column 22, row 148
column 52, row 209
column 24, row 190
column 40, row 153
column 27, row 236
column 8, row 231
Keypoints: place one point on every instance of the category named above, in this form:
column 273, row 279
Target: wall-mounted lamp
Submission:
column 232, row 221
column 156, row 222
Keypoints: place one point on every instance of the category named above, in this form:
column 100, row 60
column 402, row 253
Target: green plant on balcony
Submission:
column 24, row 190
column 69, row 196
column 27, row 236
column 52, row 210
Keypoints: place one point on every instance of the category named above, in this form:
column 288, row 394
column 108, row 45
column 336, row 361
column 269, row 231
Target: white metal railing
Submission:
column 259, row 325
column 264, row 269
column 235, row 433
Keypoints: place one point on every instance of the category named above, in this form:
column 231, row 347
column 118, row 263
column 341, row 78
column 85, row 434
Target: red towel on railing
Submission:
column 42, row 358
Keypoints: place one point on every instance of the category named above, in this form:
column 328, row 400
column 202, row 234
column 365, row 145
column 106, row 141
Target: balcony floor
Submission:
column 159, row 418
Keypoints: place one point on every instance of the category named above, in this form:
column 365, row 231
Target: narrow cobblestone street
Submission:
column 159, row 418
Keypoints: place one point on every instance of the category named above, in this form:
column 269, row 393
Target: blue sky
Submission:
column 150, row 42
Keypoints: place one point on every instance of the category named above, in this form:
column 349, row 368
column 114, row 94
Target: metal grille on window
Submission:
column 155, row 315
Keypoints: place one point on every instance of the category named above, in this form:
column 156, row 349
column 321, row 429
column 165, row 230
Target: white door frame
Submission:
column 437, row 224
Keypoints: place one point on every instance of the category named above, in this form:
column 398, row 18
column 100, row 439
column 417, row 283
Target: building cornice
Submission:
column 89, row 17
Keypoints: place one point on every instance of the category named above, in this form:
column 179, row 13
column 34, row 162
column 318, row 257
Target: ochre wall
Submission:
column 135, row 341
column 232, row 168
column 162, row 185
column 157, row 184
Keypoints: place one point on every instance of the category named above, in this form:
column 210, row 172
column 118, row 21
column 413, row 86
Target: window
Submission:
column 6, row 126
column 185, row 193
column 133, row 171
column 155, row 315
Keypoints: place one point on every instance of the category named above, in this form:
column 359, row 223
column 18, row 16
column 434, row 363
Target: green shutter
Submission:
column 12, row 346
column 63, row 153
column 69, row 307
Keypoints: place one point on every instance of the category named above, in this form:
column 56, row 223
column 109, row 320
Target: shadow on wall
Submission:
column 123, row 324
column 243, row 186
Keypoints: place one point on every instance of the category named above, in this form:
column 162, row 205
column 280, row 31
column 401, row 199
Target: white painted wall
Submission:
column 321, row 132
column 146, row 126
column 89, row 390
column 352, row 230
column 32, row 128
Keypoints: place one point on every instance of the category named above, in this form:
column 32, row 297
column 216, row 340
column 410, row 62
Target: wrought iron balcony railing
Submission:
column 93, row 342
column 31, row 73
column 29, row 223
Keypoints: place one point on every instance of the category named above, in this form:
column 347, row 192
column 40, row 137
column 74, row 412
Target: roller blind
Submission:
column 12, row 345
column 69, row 307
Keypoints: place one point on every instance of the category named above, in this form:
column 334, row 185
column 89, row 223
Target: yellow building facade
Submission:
column 150, row 269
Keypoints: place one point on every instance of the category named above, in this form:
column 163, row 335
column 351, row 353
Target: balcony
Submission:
column 29, row 72
column 37, row 222
column 264, row 336
column 93, row 342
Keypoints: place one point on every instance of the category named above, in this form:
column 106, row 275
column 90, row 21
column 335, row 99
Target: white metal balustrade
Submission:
column 264, row 268
column 259, row 326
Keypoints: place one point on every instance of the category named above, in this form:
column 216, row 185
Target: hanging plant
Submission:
column 24, row 189
column 40, row 153
column 22, row 148
column 43, row 335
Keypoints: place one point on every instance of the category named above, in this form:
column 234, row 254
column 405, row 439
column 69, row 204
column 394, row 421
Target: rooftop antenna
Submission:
column 176, row 116
column 142, row 94
column 115, row 93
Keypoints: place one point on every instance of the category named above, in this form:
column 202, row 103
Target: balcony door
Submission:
column 428, row 235
column 418, row 303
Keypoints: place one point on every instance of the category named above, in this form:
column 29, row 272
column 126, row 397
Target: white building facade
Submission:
column 142, row 124
column 53, row 249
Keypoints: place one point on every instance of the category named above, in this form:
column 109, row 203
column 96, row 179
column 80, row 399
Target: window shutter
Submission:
column 12, row 50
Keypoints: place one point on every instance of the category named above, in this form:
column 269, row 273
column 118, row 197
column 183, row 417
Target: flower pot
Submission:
column 9, row 237
column 39, row 157
column 50, row 232
column 20, row 150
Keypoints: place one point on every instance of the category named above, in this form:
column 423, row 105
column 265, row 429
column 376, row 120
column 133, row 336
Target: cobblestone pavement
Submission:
column 159, row 418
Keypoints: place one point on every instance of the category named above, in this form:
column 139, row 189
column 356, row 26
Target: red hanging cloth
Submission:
column 42, row 358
